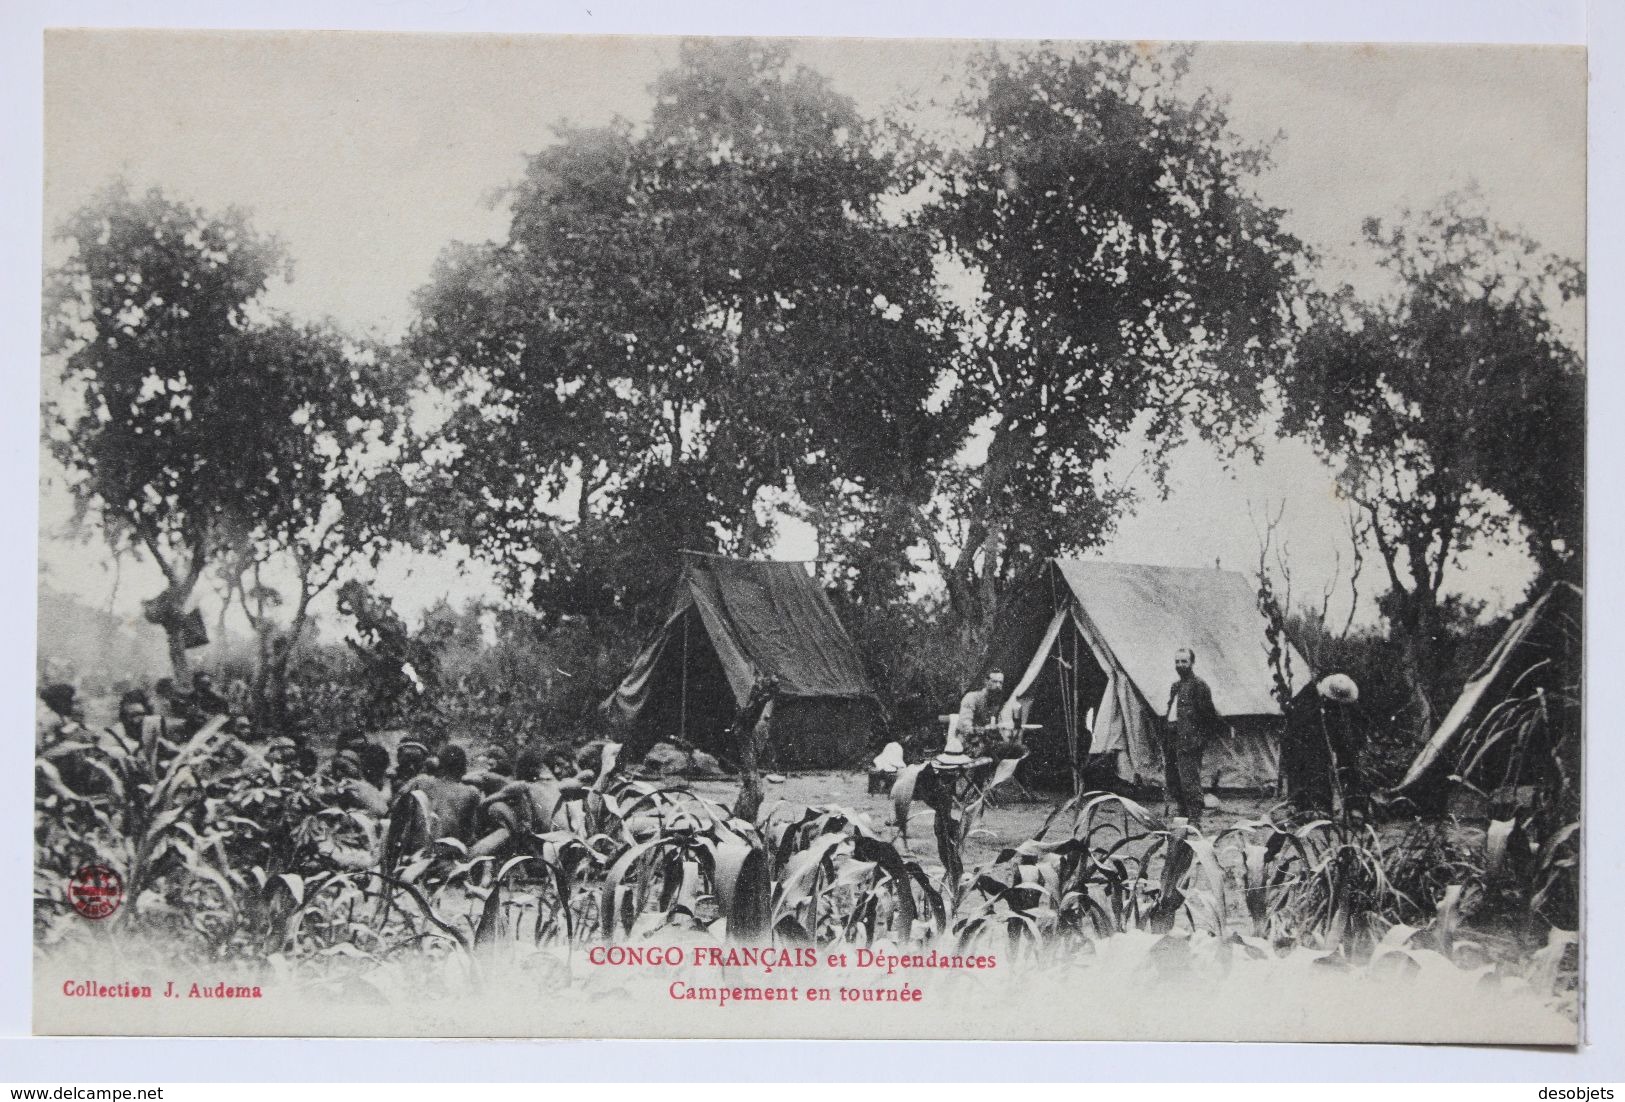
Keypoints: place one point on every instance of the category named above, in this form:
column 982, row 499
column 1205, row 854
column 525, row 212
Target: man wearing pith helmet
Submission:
column 1320, row 751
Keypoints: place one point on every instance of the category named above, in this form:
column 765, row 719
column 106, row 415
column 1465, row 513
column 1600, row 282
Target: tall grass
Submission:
column 257, row 865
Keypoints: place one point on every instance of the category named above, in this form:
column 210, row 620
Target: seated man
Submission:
column 168, row 699
column 374, row 759
column 232, row 757
column 411, row 759
column 242, row 729
column 452, row 804
column 578, row 775
column 64, row 742
column 138, row 732
column 204, row 697
column 353, row 791
column 489, row 774
column 285, row 755
column 983, row 718
column 521, row 807
column 60, row 718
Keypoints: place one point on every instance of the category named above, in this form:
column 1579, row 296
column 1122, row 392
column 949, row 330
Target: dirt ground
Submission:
column 1010, row 819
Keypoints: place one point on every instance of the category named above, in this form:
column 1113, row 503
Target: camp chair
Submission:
column 1015, row 782
column 978, row 769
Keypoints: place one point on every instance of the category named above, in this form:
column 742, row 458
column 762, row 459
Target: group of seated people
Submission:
column 482, row 804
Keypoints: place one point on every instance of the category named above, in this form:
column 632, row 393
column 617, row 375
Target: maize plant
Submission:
column 255, row 865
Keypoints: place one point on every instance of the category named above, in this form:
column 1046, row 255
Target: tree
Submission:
column 1451, row 408
column 162, row 438
column 205, row 430
column 684, row 327
column 337, row 494
column 1127, row 280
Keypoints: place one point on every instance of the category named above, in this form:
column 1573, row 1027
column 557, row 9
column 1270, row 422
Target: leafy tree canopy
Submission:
column 1454, row 390
column 150, row 313
column 191, row 421
column 1128, row 279
column 1446, row 401
column 682, row 322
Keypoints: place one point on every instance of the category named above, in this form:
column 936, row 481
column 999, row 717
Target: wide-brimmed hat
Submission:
column 953, row 754
column 1339, row 687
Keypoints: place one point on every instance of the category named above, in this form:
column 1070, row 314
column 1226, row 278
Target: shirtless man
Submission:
column 138, row 732
column 452, row 804
column 352, row 788
column 66, row 744
column 522, row 806
column 411, row 760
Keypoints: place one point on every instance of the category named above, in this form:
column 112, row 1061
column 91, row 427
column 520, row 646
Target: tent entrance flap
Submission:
column 690, row 699
column 1061, row 690
column 1041, row 655
column 1124, row 622
column 733, row 622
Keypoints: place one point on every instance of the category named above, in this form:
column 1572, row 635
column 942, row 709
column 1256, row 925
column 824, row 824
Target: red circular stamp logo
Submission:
column 96, row 891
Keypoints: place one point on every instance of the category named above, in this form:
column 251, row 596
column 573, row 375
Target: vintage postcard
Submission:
column 642, row 537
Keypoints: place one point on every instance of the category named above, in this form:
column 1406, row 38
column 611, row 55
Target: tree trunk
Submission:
column 264, row 633
column 1418, row 624
column 751, row 794
column 1425, row 657
column 749, row 731
column 988, row 587
column 179, row 663
column 1417, row 616
column 973, row 588
column 166, row 611
column 281, row 660
column 258, row 616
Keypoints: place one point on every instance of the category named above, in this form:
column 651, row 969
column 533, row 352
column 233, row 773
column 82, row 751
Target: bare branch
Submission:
column 1357, row 532
column 1330, row 587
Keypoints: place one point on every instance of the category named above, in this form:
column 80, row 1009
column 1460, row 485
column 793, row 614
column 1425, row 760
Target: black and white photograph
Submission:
column 821, row 538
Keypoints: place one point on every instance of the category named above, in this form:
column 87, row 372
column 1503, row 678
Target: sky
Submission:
column 367, row 154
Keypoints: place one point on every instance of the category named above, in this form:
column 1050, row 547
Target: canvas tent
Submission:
column 1536, row 660
column 729, row 621
column 1090, row 647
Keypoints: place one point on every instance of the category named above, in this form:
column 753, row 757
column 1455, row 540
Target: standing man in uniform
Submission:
column 1191, row 721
